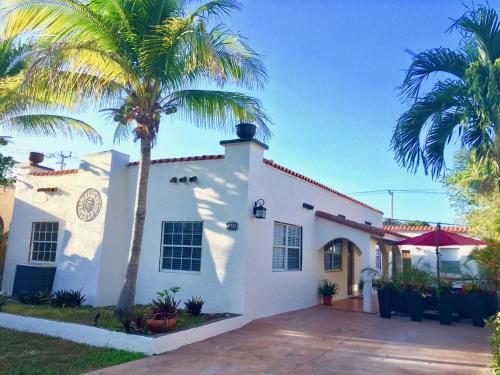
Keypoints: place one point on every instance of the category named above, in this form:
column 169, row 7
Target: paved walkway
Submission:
column 323, row 340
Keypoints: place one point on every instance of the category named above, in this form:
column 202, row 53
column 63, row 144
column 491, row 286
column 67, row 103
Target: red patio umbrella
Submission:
column 441, row 237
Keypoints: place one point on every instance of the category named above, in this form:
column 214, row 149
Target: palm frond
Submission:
column 48, row 125
column 221, row 110
column 217, row 8
column 406, row 139
column 483, row 27
column 425, row 64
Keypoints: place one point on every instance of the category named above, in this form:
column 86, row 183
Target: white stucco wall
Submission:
column 218, row 196
column 80, row 244
column 236, row 266
column 268, row 292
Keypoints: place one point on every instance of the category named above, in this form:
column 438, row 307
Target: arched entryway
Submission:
column 382, row 258
column 341, row 263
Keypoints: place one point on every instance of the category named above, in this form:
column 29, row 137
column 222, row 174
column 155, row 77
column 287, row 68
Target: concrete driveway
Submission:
column 322, row 340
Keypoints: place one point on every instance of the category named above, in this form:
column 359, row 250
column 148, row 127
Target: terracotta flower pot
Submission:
column 327, row 300
column 158, row 326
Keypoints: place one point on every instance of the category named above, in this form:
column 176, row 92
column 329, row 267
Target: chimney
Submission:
column 245, row 148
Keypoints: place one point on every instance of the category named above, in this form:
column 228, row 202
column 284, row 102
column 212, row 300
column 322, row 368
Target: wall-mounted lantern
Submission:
column 259, row 211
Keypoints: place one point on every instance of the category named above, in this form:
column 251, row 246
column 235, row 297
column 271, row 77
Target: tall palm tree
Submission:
column 464, row 103
column 142, row 60
column 30, row 116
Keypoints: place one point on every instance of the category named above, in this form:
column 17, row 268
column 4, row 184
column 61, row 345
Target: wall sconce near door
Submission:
column 259, row 211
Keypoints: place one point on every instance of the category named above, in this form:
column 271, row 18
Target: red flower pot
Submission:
column 158, row 326
column 327, row 300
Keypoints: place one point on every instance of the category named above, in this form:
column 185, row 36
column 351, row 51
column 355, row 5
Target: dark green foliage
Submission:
column 68, row 298
column 134, row 320
column 6, row 166
column 2, row 302
column 194, row 305
column 37, row 298
column 328, row 288
column 462, row 104
column 165, row 306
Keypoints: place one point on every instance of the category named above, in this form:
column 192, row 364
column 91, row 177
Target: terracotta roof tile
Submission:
column 425, row 228
column 311, row 181
column 54, row 173
column 178, row 160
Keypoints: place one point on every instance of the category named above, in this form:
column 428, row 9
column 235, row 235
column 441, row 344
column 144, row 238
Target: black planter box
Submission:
column 384, row 302
column 490, row 305
column 461, row 306
column 476, row 305
column 445, row 304
column 416, row 306
column 399, row 301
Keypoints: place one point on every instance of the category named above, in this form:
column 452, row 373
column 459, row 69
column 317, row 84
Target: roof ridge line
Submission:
column 318, row 184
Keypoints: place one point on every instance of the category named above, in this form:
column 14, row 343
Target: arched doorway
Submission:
column 342, row 265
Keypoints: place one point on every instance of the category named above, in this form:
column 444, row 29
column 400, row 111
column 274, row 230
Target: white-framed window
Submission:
column 333, row 256
column 44, row 241
column 181, row 245
column 450, row 260
column 287, row 247
column 378, row 259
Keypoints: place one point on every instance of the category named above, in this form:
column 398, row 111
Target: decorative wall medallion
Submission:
column 88, row 205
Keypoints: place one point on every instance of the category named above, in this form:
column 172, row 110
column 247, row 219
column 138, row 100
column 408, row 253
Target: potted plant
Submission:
column 445, row 302
column 475, row 298
column 416, row 297
column 328, row 289
column 384, row 287
column 164, row 315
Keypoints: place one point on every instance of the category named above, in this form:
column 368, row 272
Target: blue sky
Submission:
column 333, row 68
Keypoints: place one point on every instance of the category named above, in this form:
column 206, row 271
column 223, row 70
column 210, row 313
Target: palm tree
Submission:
column 142, row 60
column 465, row 102
column 30, row 116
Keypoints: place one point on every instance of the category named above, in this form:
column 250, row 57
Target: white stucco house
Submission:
column 454, row 260
column 201, row 232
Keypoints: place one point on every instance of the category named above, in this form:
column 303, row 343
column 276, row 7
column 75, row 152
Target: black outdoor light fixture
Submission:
column 259, row 211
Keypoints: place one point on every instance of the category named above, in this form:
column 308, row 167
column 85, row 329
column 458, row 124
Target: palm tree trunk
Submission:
column 127, row 295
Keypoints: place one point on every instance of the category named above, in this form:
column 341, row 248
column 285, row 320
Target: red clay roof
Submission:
column 395, row 233
column 425, row 228
column 54, row 173
column 177, row 160
column 350, row 223
column 324, row 187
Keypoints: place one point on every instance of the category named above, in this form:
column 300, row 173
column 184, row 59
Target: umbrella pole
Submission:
column 437, row 253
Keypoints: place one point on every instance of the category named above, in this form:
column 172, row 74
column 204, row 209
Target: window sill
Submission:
column 287, row 270
column 330, row 271
column 41, row 264
column 181, row 272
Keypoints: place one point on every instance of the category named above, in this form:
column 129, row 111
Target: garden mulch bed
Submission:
column 86, row 315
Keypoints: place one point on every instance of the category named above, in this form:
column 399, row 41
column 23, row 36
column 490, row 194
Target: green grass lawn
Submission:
column 86, row 314
column 29, row 354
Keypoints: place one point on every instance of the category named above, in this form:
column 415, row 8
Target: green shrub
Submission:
column 194, row 305
column 133, row 321
column 68, row 298
column 494, row 325
column 328, row 288
column 3, row 301
column 165, row 306
column 37, row 298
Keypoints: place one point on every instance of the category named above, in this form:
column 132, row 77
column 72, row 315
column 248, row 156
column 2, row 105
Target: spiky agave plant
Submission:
column 143, row 60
